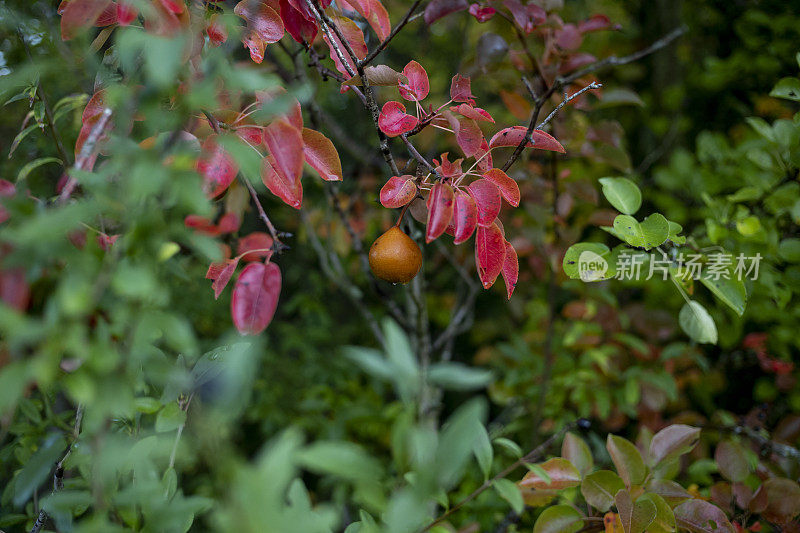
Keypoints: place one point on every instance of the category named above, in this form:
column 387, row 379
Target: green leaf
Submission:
column 482, row 449
column 458, row 376
column 456, row 441
column 699, row 516
column 509, row 491
column 789, row 250
column 371, row 361
column 730, row 291
column 761, row 127
column 37, row 469
column 627, row 460
column 341, row 459
column 509, row 445
column 697, row 323
column 170, row 418
column 635, row 516
column 558, row 519
column 788, row 89
column 575, row 450
column 732, row 461
column 664, row 521
column 669, row 490
column 672, row 442
column 651, row 232
column 587, row 261
column 623, row 194
column 33, row 165
column 674, row 233
column 599, row 489
column 619, row 96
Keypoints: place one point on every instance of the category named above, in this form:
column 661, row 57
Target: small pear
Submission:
column 395, row 257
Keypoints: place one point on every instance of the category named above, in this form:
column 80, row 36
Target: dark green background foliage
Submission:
column 314, row 425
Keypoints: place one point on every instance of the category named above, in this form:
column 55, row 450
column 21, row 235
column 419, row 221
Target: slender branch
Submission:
column 534, row 455
column 765, row 444
column 58, row 477
column 416, row 155
column 562, row 82
column 614, row 61
column 399, row 26
column 535, row 116
column 86, row 153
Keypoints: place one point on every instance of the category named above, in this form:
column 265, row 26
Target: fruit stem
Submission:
column 403, row 213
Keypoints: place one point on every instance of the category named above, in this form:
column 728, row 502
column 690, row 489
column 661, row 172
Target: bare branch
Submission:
column 367, row 60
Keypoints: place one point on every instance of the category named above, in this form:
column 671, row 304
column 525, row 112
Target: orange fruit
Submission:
column 395, row 257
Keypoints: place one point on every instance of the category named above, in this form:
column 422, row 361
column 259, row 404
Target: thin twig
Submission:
column 614, row 61
column 534, row 455
column 58, row 477
column 399, row 26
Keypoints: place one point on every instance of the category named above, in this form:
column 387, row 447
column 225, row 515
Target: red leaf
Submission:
column 487, row 198
column 258, row 240
column 514, row 135
column 465, row 216
column 106, row 241
column 360, row 6
column 448, row 169
column 175, row 6
column 441, row 8
column 264, row 26
column 255, row 297
column 288, row 190
column 594, row 23
column 475, row 113
column 300, row 27
column 510, row 269
column 528, row 16
column 378, row 18
column 216, row 31
column 107, row 17
column 468, row 135
column 490, row 253
column 251, row 134
column 229, row 223
column 461, row 89
column 285, row 144
column 14, row 289
column 482, row 13
column 126, row 13
column 394, row 121
column 221, row 274
column 320, row 153
column 216, row 166
column 508, row 187
column 418, row 85
column 576, row 61
column 484, row 157
column 201, row 225
column 568, row 37
column 80, row 14
column 440, row 210
column 354, row 36
column 398, row 191
column 94, row 108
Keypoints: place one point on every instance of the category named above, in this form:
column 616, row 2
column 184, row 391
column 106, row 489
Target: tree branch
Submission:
column 399, row 26
column 87, row 151
column 58, row 477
